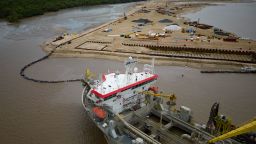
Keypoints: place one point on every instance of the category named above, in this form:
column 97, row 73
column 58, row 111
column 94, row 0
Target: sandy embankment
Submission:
column 80, row 47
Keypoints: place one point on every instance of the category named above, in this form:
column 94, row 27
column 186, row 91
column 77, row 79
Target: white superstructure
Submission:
column 118, row 92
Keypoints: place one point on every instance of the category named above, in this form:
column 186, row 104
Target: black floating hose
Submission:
column 22, row 72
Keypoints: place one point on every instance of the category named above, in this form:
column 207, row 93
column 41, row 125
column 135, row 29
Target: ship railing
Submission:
column 148, row 68
column 87, row 89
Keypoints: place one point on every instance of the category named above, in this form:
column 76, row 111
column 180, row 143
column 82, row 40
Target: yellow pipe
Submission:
column 241, row 130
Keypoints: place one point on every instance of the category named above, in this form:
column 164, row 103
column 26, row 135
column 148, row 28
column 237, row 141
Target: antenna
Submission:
column 100, row 82
column 197, row 24
column 153, row 65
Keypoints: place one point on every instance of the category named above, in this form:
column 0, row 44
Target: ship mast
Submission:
column 150, row 68
column 129, row 67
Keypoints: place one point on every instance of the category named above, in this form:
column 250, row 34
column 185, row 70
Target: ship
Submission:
column 129, row 109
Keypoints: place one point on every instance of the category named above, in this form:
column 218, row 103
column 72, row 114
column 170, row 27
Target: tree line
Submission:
column 13, row 10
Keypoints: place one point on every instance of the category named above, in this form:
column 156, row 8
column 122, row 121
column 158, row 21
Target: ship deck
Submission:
column 171, row 131
column 165, row 136
column 114, row 83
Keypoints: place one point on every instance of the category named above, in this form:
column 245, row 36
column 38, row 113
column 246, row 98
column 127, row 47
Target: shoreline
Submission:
column 85, row 32
column 220, row 3
column 119, row 54
column 12, row 16
column 160, row 61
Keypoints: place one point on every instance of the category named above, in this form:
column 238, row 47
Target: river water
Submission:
column 233, row 17
column 52, row 113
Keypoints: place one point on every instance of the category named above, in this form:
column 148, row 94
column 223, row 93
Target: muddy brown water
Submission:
column 53, row 113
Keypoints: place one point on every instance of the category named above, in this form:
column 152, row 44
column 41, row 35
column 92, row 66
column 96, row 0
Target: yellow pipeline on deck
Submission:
column 241, row 130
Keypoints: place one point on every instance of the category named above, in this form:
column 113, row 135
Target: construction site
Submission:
column 156, row 28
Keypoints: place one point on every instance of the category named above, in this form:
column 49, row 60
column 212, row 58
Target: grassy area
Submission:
column 13, row 10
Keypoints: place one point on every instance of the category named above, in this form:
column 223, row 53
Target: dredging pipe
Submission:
column 22, row 71
column 138, row 132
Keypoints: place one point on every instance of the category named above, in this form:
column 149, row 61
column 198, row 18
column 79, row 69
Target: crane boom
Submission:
column 249, row 127
column 171, row 97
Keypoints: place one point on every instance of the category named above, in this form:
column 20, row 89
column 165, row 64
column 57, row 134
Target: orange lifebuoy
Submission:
column 99, row 112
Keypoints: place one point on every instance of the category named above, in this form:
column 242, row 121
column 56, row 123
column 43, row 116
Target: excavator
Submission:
column 128, row 35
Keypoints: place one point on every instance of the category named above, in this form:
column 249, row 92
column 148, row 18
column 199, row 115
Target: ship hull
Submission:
column 144, row 116
column 129, row 110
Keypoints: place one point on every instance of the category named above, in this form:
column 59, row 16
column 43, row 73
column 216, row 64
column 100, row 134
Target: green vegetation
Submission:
column 13, row 10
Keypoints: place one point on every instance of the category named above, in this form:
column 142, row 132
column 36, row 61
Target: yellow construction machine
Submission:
column 246, row 128
column 128, row 35
column 146, row 36
column 171, row 97
column 88, row 74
